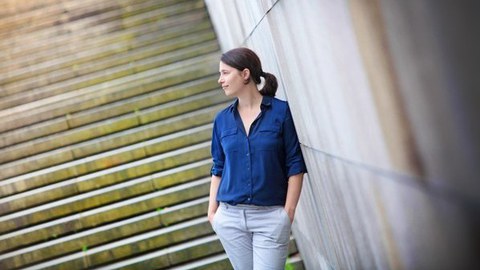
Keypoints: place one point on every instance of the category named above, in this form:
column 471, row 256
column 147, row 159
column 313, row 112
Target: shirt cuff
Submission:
column 216, row 171
column 296, row 169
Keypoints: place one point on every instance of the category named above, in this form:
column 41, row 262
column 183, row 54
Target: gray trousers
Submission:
column 254, row 237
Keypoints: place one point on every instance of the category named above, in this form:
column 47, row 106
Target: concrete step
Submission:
column 103, row 161
column 80, row 64
column 71, row 42
column 13, row 8
column 138, row 13
column 51, row 178
column 105, row 76
column 216, row 262
column 115, row 211
column 142, row 35
column 110, row 110
column 105, row 234
column 47, row 13
column 106, row 118
column 94, row 134
column 55, row 16
column 21, row 19
column 114, row 141
column 171, row 256
column 85, row 98
column 117, row 250
column 148, row 194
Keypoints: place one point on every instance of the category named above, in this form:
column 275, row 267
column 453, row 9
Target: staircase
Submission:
column 105, row 112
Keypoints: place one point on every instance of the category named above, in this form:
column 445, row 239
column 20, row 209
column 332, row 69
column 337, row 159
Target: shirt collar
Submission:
column 266, row 102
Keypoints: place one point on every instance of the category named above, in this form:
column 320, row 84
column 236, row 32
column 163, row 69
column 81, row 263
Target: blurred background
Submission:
column 106, row 111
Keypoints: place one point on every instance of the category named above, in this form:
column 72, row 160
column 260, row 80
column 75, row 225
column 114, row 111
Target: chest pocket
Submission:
column 229, row 139
column 270, row 138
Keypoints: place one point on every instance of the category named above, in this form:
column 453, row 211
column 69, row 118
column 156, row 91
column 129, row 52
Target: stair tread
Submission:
column 116, row 140
column 86, row 182
column 19, row 216
column 113, row 17
column 210, row 240
column 98, row 131
column 161, row 30
column 79, row 64
column 59, row 225
column 113, row 109
column 99, row 230
column 70, row 98
column 21, row 197
column 149, row 236
column 102, row 79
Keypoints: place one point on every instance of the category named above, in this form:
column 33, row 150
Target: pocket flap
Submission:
column 270, row 129
column 228, row 132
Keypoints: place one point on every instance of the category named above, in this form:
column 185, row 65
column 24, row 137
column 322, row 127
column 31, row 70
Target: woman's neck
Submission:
column 250, row 99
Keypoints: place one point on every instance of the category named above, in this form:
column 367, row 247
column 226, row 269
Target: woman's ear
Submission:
column 246, row 74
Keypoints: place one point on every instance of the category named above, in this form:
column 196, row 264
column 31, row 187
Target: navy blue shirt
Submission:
column 254, row 169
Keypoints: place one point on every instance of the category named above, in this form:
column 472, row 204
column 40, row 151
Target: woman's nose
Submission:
column 219, row 80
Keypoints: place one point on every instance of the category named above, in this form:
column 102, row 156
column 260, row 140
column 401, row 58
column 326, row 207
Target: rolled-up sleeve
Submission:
column 295, row 163
column 218, row 155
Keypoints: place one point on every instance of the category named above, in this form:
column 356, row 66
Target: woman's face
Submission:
column 230, row 80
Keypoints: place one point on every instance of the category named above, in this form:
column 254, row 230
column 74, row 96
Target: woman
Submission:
column 257, row 167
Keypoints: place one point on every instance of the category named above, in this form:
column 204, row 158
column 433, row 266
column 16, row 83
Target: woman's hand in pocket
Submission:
column 291, row 214
column 211, row 214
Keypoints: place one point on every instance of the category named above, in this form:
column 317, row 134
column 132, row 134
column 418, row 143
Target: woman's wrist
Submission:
column 212, row 209
column 290, row 212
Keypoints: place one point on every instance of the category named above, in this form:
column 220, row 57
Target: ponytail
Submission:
column 270, row 86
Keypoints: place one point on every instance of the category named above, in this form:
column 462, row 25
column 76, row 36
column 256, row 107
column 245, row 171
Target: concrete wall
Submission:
column 384, row 95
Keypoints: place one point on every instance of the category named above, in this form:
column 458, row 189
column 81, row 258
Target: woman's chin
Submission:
column 228, row 93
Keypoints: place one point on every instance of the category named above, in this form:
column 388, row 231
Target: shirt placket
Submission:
column 249, row 170
column 249, row 155
column 248, row 150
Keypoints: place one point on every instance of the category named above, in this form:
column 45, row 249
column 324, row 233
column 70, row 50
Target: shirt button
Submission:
column 248, row 154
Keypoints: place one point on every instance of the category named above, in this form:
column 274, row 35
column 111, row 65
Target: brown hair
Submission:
column 242, row 58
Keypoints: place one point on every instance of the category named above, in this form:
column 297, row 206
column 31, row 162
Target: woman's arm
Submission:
column 212, row 202
column 295, row 165
column 293, row 194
